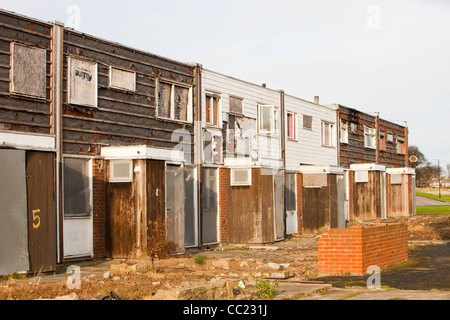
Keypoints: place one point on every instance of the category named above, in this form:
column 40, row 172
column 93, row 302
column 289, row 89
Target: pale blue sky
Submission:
column 391, row 57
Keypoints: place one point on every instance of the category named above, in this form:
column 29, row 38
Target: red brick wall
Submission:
column 223, row 200
column 299, row 203
column 354, row 250
column 99, row 209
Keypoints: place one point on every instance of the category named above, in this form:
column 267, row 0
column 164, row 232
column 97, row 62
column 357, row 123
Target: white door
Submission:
column 78, row 204
column 291, row 204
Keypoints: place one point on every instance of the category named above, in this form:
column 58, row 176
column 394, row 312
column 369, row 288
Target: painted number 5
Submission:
column 36, row 217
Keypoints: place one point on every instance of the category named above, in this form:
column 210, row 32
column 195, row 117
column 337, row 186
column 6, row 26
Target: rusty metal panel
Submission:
column 13, row 213
column 82, row 82
column 29, row 71
column 41, row 211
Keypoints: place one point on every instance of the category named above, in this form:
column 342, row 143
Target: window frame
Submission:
column 327, row 124
column 294, row 125
column 370, row 133
column 173, row 84
column 247, row 183
column 216, row 121
column 274, row 117
column 344, row 128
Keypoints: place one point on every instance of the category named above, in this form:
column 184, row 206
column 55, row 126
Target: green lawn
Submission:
column 431, row 210
column 433, row 196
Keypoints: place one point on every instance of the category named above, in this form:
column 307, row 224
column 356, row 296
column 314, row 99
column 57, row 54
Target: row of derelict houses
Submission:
column 98, row 140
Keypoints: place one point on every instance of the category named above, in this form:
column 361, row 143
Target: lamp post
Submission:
column 439, row 175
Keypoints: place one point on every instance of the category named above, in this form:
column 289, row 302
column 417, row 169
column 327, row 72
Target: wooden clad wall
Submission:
column 251, row 210
column 354, row 151
column 17, row 111
column 121, row 118
column 400, row 197
column 390, row 157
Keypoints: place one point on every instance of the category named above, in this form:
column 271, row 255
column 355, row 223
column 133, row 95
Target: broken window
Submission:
column 29, row 71
column 212, row 110
column 82, row 82
column 174, row 102
column 344, row 132
column 77, row 187
column 236, row 105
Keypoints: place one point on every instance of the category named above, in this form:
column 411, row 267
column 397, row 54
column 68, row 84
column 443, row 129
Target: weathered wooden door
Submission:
column 315, row 209
column 121, row 221
column 41, row 211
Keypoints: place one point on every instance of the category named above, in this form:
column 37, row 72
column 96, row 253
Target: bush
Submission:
column 157, row 244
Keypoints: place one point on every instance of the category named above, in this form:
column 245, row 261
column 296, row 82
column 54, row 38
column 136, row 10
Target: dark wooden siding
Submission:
column 122, row 118
column 20, row 113
column 390, row 157
column 156, row 197
column 354, row 151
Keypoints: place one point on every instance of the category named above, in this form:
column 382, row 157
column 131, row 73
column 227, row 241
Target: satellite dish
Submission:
column 413, row 159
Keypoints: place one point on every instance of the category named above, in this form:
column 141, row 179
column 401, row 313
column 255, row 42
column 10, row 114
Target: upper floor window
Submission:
column 268, row 119
column 369, row 138
column 236, row 105
column 400, row 145
column 328, row 134
column 212, row 109
column 307, row 122
column 174, row 102
column 292, row 125
column 344, row 132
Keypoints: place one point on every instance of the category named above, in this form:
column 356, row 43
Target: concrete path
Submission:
column 379, row 294
column 428, row 202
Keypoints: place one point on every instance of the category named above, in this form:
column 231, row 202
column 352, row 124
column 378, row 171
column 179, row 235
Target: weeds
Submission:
column 157, row 244
column 265, row 290
column 200, row 259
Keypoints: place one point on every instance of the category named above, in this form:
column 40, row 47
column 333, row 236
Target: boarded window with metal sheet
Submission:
column 83, row 82
column 209, row 206
column 29, row 71
column 236, row 105
column 175, row 200
column 77, row 189
column 190, row 207
column 307, row 122
column 122, row 79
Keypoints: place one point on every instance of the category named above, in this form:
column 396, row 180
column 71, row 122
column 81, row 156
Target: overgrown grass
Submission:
column 433, row 196
column 431, row 210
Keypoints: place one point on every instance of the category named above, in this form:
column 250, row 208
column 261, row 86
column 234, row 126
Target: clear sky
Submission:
column 383, row 56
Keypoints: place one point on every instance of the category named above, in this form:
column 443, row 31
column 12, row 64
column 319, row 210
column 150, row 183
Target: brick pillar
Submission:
column 99, row 209
column 299, row 203
column 223, row 204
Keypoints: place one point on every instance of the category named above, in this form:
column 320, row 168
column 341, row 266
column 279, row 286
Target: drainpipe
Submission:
column 198, row 156
column 283, row 155
column 57, row 75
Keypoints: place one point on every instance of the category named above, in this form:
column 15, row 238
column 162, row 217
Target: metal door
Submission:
column 41, row 211
column 278, row 193
column 291, row 204
column 175, row 199
column 78, row 220
column 209, row 206
column 13, row 213
column 190, row 187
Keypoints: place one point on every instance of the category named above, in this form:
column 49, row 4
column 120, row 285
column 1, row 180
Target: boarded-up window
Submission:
column 77, row 190
column 236, row 105
column 122, row 79
column 164, row 100
column 82, row 82
column 29, row 71
column 396, row 179
column 344, row 132
column 291, row 199
column 307, row 122
column 361, row 176
column 241, row 177
column 174, row 102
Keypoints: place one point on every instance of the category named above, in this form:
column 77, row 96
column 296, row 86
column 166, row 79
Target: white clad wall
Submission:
column 269, row 147
column 308, row 149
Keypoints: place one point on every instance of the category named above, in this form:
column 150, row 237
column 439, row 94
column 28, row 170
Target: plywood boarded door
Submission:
column 41, row 211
